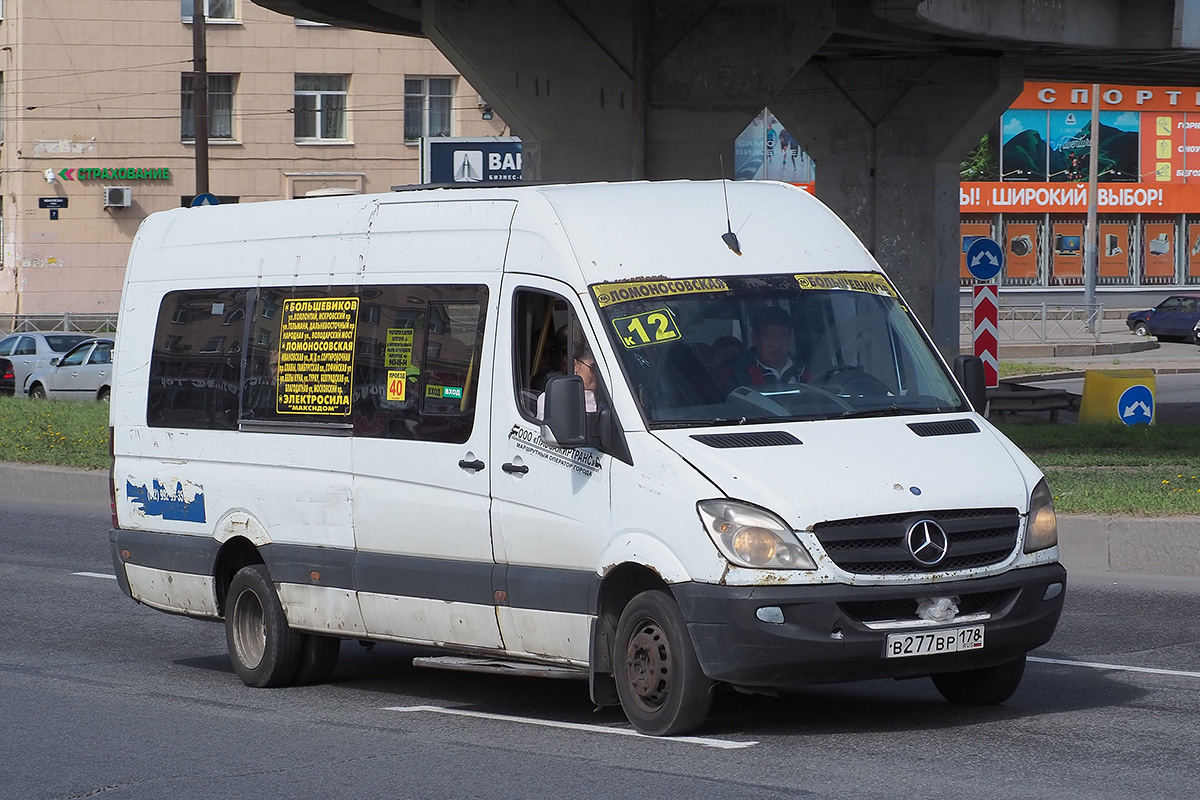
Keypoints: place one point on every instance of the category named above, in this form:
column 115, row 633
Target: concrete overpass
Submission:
column 887, row 96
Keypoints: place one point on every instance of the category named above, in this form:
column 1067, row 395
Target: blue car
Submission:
column 1173, row 318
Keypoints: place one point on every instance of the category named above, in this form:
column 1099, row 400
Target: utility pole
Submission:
column 1091, row 242
column 200, row 94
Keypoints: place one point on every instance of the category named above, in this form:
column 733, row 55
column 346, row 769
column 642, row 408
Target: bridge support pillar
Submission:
column 887, row 138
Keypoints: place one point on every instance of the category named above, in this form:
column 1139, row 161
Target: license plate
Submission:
column 931, row 643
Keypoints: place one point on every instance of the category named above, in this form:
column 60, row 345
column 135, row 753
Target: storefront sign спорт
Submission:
column 115, row 173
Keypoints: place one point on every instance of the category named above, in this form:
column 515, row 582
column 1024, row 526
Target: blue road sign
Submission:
column 985, row 257
column 1135, row 406
column 205, row 199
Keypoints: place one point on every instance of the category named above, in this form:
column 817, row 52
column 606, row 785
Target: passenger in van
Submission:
column 585, row 368
column 769, row 360
column 723, row 352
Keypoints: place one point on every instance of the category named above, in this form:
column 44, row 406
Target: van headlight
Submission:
column 751, row 537
column 1043, row 524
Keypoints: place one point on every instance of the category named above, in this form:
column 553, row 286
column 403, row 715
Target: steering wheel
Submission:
column 848, row 380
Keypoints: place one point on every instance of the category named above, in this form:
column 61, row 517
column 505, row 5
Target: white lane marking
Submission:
column 1119, row 667
column 95, row 575
column 723, row 744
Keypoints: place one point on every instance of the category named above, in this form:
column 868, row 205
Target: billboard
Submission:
column 483, row 160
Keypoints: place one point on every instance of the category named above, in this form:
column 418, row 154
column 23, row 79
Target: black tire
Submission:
column 318, row 657
column 988, row 686
column 662, row 689
column 1140, row 329
column 264, row 651
column 102, row 396
column 37, row 392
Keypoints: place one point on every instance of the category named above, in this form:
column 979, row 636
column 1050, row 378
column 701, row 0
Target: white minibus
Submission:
column 661, row 436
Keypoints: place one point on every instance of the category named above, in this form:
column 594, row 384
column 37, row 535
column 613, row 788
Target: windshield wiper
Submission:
column 892, row 411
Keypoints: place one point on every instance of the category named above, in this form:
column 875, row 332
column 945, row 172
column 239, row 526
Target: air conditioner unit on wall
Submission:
column 118, row 196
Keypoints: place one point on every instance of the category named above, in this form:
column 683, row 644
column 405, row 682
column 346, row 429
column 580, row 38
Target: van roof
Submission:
column 613, row 231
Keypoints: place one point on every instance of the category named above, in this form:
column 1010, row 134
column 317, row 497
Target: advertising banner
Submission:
column 1193, row 252
column 1113, row 256
column 493, row 159
column 1159, row 249
column 1009, row 197
column 1021, row 247
column 766, row 151
column 970, row 232
column 1066, row 251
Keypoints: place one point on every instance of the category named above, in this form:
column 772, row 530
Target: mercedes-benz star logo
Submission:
column 927, row 542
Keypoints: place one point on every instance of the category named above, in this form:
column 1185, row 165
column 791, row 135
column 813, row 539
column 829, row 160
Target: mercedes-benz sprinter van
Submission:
column 663, row 436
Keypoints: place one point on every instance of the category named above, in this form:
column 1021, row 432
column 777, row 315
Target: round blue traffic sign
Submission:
column 205, row 199
column 1136, row 405
column 985, row 257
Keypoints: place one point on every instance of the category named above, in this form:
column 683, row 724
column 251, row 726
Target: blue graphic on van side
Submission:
column 159, row 501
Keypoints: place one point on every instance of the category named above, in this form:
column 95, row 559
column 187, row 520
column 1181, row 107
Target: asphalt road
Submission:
column 101, row 697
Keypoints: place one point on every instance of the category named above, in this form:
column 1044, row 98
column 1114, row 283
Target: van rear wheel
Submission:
column 264, row 651
column 661, row 687
column 987, row 686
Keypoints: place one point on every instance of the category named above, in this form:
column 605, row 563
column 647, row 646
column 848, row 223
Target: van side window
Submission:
column 193, row 378
column 382, row 361
column 417, row 362
column 549, row 341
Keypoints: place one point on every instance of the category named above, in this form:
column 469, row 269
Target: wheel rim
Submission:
column 648, row 665
column 249, row 631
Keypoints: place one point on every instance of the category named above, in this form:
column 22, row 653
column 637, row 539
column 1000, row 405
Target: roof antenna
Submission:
column 729, row 237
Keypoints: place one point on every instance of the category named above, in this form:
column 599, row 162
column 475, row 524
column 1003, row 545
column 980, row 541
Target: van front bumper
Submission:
column 823, row 637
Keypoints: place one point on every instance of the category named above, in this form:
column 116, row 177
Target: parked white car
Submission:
column 29, row 351
column 84, row 373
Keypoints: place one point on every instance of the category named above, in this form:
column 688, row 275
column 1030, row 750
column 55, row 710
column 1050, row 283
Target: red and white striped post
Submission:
column 986, row 336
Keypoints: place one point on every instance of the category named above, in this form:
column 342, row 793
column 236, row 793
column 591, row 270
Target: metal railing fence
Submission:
column 58, row 323
column 1041, row 322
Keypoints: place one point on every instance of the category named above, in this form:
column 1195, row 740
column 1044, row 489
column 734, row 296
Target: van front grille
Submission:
column 877, row 545
column 905, row 608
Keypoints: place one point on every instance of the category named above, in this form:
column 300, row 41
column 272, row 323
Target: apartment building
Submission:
column 97, row 127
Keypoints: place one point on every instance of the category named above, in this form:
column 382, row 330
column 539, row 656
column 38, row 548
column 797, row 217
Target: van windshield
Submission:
column 743, row 349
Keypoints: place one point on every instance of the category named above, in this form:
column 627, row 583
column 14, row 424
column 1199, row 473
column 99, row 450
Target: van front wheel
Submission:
column 988, row 686
column 662, row 689
column 264, row 651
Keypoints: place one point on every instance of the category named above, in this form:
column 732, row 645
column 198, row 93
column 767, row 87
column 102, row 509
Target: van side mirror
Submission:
column 969, row 372
column 564, row 421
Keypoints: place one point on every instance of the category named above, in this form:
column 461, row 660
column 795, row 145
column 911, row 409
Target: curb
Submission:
column 1164, row 546
column 45, row 483
column 1160, row 546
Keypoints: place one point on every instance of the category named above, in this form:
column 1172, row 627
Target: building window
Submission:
column 427, row 105
column 213, row 9
column 220, row 107
column 320, row 107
